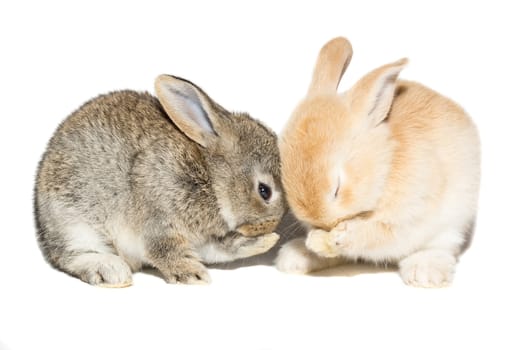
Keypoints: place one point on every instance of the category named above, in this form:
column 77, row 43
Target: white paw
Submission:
column 294, row 257
column 104, row 270
column 323, row 243
column 428, row 269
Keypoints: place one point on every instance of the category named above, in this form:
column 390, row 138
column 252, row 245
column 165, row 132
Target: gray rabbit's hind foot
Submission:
column 82, row 251
column 101, row 269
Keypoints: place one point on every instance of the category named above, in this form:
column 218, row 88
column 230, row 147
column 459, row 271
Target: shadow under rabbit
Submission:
column 290, row 228
column 353, row 269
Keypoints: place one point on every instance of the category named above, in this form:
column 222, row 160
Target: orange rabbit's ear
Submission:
column 331, row 64
column 372, row 95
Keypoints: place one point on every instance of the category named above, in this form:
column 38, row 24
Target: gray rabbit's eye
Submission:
column 265, row 191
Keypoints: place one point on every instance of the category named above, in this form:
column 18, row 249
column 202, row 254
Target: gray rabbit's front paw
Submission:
column 186, row 271
column 257, row 245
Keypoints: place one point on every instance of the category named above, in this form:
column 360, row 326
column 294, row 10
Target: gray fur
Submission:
column 120, row 163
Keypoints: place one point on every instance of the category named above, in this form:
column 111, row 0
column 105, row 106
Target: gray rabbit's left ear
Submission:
column 188, row 107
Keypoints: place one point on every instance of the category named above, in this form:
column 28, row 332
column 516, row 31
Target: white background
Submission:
column 258, row 57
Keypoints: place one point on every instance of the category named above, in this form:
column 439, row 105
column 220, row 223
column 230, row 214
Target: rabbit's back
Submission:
column 92, row 153
column 436, row 156
column 430, row 127
column 423, row 115
column 113, row 163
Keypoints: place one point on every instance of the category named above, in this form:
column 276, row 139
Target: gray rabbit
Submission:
column 129, row 180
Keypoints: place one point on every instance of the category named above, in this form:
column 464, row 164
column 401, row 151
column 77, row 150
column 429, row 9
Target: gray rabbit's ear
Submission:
column 188, row 107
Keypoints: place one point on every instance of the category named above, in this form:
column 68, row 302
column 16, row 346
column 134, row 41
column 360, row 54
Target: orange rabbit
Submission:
column 387, row 171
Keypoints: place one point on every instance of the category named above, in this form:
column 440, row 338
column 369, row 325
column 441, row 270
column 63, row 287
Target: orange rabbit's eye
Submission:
column 337, row 188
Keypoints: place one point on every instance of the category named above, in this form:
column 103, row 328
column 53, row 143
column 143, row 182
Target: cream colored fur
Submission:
column 387, row 171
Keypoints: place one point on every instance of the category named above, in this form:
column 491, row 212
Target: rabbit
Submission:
column 129, row 180
column 386, row 172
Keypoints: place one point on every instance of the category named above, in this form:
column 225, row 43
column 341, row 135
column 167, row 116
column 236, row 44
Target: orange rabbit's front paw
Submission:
column 323, row 243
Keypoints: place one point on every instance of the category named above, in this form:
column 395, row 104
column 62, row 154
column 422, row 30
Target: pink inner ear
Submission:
column 189, row 107
column 186, row 107
column 380, row 97
column 373, row 94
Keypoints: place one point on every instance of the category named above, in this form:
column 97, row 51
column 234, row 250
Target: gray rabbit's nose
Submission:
column 258, row 228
